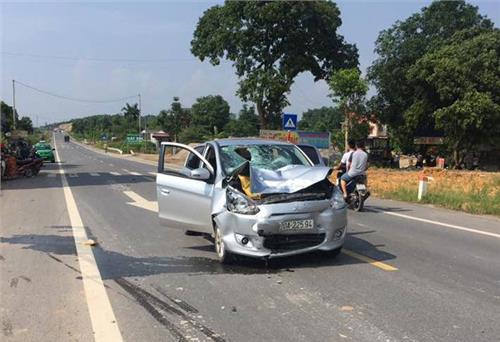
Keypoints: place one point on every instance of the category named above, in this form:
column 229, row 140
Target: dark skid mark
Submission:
column 7, row 327
column 25, row 278
column 2, row 258
column 62, row 262
column 142, row 299
column 179, row 302
column 147, row 300
column 14, row 281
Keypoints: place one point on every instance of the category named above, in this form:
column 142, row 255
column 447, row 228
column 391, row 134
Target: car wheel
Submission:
column 28, row 173
column 220, row 248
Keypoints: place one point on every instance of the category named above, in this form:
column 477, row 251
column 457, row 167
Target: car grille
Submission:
column 286, row 243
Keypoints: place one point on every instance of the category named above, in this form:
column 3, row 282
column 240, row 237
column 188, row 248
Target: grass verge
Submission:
column 469, row 191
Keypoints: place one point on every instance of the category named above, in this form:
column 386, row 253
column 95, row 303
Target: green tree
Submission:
column 324, row 119
column 174, row 120
column 245, row 125
column 400, row 47
column 209, row 112
column 348, row 88
column 270, row 43
column 25, row 124
column 6, row 118
column 458, row 86
column 131, row 114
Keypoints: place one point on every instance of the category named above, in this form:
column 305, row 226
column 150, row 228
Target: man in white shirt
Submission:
column 343, row 166
column 356, row 167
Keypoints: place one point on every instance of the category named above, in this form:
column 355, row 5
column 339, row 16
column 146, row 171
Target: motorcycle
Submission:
column 357, row 193
column 29, row 167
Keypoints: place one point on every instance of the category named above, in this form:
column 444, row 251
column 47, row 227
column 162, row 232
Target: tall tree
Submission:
column 245, row 125
column 131, row 114
column 459, row 86
column 270, row 43
column 25, row 124
column 6, row 118
column 174, row 120
column 348, row 88
column 399, row 48
column 210, row 112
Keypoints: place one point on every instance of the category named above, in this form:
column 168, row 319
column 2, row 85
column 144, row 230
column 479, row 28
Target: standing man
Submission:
column 357, row 166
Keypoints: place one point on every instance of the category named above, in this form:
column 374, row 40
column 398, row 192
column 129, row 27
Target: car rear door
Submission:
column 183, row 201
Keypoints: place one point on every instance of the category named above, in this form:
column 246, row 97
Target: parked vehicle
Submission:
column 258, row 198
column 313, row 153
column 44, row 151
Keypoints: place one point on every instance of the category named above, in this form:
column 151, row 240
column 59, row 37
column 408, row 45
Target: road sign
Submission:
column 290, row 122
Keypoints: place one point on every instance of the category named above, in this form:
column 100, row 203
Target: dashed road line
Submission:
column 94, row 174
column 102, row 317
column 153, row 173
column 73, row 175
column 141, row 202
column 114, row 173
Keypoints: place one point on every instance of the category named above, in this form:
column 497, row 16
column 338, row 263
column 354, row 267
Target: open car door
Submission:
column 184, row 186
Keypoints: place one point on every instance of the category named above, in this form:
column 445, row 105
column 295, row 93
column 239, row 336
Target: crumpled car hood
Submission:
column 288, row 179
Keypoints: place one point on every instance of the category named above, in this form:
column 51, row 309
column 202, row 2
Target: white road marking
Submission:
column 94, row 174
column 153, row 173
column 141, row 202
column 101, row 313
column 114, row 173
column 73, row 175
column 134, row 173
column 51, row 175
column 447, row 225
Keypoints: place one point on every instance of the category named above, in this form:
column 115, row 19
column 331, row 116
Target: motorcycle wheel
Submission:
column 28, row 173
column 357, row 201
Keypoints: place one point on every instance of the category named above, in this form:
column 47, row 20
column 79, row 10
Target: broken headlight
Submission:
column 239, row 203
column 337, row 201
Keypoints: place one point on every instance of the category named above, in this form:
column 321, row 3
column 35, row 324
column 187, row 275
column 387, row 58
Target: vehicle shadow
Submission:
column 113, row 264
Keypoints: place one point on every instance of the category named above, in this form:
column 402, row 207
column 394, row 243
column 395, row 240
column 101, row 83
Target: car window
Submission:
column 192, row 161
column 269, row 156
column 311, row 152
column 211, row 158
column 174, row 161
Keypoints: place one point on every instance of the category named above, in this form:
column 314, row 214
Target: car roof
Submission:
column 249, row 141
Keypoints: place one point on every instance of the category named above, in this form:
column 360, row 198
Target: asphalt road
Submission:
column 400, row 278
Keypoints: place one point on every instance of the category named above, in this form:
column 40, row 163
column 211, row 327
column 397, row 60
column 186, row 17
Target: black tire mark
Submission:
column 180, row 303
column 142, row 297
column 146, row 299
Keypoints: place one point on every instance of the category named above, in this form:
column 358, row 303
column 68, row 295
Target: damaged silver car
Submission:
column 257, row 198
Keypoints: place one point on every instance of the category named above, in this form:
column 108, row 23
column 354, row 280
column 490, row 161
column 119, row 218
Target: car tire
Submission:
column 28, row 173
column 222, row 253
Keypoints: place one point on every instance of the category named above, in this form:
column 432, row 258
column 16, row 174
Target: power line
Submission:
column 93, row 59
column 73, row 98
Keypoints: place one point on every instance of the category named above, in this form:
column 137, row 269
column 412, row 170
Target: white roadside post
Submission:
column 422, row 187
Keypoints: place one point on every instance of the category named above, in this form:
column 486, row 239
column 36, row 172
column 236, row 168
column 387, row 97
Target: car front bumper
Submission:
column 267, row 241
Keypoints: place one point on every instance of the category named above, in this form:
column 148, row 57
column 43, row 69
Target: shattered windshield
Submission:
column 268, row 157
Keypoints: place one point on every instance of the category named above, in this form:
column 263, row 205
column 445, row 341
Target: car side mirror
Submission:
column 53, row 149
column 200, row 173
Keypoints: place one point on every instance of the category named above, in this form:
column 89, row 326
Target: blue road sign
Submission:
column 290, row 122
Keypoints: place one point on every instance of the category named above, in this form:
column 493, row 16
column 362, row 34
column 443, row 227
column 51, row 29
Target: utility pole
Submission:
column 13, row 104
column 140, row 109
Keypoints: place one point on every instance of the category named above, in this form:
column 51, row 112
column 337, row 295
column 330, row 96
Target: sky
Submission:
column 104, row 51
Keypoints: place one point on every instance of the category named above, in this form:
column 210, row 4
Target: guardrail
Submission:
column 114, row 150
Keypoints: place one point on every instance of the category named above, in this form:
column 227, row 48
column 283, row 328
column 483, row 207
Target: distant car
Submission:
column 44, row 151
column 313, row 153
column 66, row 138
column 258, row 198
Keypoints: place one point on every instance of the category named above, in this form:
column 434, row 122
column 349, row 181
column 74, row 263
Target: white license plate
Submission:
column 297, row 225
column 360, row 186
